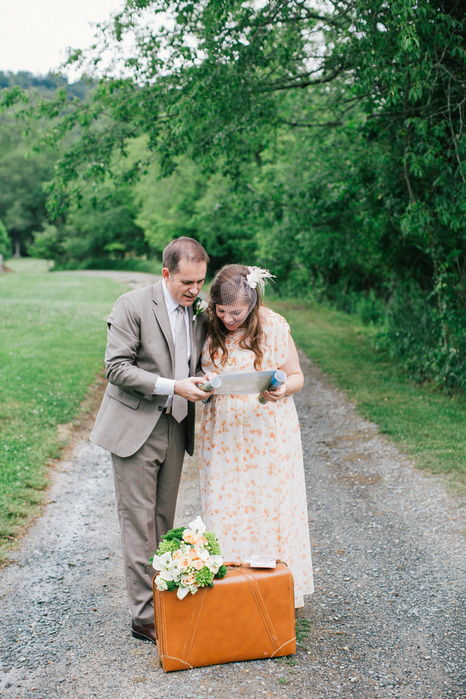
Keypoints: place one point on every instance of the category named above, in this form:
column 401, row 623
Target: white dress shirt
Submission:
column 163, row 386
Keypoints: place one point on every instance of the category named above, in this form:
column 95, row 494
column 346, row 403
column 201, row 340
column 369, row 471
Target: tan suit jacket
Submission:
column 140, row 348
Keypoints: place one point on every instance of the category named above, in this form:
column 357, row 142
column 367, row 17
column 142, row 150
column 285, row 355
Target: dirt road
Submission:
column 387, row 618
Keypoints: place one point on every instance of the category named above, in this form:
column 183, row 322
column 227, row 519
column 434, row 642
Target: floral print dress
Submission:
column 252, row 476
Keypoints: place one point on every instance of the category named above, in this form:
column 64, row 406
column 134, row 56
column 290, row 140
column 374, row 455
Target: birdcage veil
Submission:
column 236, row 291
column 241, row 289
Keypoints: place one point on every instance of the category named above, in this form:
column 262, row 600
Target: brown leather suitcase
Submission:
column 248, row 614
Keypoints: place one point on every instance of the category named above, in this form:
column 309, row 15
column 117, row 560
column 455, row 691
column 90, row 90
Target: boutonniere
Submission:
column 199, row 306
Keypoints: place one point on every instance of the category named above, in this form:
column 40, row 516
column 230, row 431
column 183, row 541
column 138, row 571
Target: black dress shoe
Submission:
column 145, row 632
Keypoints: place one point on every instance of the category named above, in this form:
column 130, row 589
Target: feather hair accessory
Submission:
column 257, row 277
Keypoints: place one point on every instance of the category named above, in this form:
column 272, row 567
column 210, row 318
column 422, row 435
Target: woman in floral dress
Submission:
column 252, row 476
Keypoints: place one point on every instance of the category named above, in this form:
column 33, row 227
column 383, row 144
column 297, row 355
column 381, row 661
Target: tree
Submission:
column 102, row 227
column 5, row 242
column 209, row 209
column 344, row 119
column 166, row 206
column 23, row 173
column 22, row 199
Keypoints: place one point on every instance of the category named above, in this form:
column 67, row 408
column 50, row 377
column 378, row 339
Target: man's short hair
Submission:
column 183, row 249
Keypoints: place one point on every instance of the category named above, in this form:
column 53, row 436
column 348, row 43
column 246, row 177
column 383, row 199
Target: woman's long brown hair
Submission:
column 253, row 334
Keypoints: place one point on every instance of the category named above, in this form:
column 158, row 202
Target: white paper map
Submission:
column 255, row 382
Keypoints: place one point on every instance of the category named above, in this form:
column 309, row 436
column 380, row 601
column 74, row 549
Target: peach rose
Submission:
column 189, row 537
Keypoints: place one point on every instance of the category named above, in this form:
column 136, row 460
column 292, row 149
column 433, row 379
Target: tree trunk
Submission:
column 17, row 245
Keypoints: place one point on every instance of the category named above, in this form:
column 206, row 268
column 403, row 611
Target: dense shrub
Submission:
column 429, row 343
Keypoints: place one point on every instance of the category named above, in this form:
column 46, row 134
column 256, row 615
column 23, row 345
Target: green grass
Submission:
column 53, row 341
column 429, row 424
column 151, row 266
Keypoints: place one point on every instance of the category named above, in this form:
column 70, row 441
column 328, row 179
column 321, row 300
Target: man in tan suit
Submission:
column 146, row 419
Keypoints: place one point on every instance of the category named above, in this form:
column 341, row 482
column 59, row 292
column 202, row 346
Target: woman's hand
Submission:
column 294, row 376
column 276, row 394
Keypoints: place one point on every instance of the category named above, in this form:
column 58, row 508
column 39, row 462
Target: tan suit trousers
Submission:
column 146, row 487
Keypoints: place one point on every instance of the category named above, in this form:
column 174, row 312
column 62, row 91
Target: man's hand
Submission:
column 188, row 388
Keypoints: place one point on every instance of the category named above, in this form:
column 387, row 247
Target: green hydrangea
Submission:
column 222, row 571
column 174, row 534
column 168, row 545
column 203, row 577
column 212, row 544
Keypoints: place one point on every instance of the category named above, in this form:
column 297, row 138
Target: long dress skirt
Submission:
column 251, row 464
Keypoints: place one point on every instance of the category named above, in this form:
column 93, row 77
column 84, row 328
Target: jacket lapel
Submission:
column 161, row 315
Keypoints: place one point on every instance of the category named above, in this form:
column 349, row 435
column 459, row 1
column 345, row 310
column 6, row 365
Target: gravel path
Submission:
column 387, row 618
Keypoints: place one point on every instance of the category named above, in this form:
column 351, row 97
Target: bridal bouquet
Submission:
column 188, row 558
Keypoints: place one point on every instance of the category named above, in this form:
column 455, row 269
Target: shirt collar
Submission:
column 169, row 302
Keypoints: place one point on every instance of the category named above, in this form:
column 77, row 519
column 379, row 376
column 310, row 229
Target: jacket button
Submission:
column 160, row 408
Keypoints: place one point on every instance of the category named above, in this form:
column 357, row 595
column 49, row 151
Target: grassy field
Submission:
column 428, row 424
column 53, row 341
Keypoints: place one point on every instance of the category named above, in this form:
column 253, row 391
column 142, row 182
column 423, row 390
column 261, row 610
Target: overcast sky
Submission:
column 34, row 34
